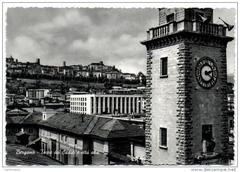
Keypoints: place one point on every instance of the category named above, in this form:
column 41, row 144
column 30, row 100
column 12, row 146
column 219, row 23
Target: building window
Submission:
column 106, row 104
column 123, row 105
column 207, row 132
column 163, row 138
column 170, row 18
column 127, row 101
column 92, row 105
column 110, row 104
column 97, row 110
column 231, row 124
column 208, row 143
column 163, row 67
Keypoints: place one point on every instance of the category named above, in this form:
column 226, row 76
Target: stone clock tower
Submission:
column 186, row 113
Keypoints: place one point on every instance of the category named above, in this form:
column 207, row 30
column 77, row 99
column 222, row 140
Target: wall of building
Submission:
column 180, row 105
column 73, row 148
column 37, row 93
column 139, row 151
column 65, row 144
column 80, row 104
column 100, row 149
column 164, row 102
column 208, row 103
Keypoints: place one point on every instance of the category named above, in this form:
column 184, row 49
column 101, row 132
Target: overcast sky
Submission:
column 84, row 35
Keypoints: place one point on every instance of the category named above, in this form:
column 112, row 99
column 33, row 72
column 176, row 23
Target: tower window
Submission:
column 207, row 132
column 163, row 67
column 163, row 138
column 170, row 18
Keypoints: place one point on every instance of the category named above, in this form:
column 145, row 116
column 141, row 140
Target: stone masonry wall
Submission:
column 162, row 107
column 148, row 118
column 179, row 104
column 210, row 105
column 184, row 105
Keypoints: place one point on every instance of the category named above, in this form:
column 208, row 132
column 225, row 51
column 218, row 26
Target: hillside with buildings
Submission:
column 94, row 72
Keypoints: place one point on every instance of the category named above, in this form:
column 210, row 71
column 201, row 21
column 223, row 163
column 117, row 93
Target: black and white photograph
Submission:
column 137, row 85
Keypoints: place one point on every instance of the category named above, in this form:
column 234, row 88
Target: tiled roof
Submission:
column 96, row 126
column 113, row 125
column 14, row 119
column 32, row 118
column 17, row 111
column 106, row 128
column 68, row 122
column 114, row 128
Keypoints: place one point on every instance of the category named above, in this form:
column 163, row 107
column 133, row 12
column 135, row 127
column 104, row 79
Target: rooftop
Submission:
column 31, row 118
column 96, row 126
column 17, row 111
column 107, row 94
column 125, row 117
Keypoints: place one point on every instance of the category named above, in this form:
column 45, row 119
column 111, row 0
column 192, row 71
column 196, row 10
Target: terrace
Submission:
column 187, row 26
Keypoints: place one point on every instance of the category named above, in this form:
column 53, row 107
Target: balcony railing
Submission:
column 158, row 32
column 211, row 29
column 189, row 26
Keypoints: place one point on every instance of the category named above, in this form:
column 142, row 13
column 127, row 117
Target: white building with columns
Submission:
column 106, row 104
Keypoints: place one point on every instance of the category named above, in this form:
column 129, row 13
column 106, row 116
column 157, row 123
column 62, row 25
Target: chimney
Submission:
column 47, row 113
column 64, row 63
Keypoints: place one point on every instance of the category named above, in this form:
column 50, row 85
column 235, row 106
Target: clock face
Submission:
column 206, row 72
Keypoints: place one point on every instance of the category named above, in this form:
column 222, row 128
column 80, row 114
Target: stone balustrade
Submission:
column 188, row 26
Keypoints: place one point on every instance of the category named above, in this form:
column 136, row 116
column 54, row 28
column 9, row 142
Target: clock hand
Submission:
column 208, row 72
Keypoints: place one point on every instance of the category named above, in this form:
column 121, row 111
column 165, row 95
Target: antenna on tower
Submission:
column 229, row 27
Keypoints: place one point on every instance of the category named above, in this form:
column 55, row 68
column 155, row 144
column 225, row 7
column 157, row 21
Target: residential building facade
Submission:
column 97, row 140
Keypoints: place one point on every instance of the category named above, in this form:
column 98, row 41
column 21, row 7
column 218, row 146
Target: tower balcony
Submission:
column 187, row 26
